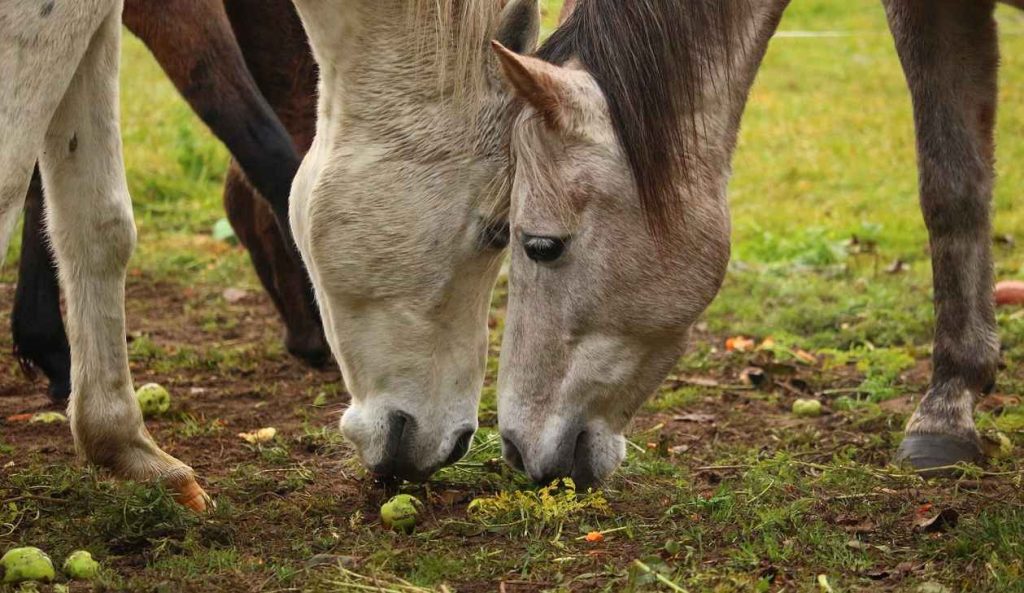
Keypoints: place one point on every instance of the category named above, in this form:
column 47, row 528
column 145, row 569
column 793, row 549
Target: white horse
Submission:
column 399, row 211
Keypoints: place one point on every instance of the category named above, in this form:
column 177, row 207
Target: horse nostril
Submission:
column 398, row 424
column 563, row 463
column 511, row 454
column 582, row 466
column 461, row 447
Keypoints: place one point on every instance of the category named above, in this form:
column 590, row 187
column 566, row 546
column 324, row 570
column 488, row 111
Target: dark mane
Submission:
column 651, row 59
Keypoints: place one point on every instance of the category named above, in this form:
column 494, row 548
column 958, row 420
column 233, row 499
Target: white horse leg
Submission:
column 93, row 233
column 28, row 99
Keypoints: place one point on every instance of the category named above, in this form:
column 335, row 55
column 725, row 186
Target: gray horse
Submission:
column 620, row 221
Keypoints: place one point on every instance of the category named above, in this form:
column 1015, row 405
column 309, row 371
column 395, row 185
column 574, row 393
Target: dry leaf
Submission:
column 48, row 418
column 235, row 295
column 739, row 344
column 900, row 405
column 995, row 403
column 678, row 449
column 752, row 376
column 942, row 522
column 263, row 435
column 450, row 498
column 805, row 356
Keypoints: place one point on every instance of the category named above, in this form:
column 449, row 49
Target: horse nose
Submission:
column 462, row 443
column 399, row 426
column 399, row 457
column 567, row 458
column 511, row 453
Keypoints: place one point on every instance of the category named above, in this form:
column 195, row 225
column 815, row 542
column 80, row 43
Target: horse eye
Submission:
column 543, row 249
column 495, row 235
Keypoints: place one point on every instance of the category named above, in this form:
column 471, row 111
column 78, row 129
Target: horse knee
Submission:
column 122, row 235
column 101, row 244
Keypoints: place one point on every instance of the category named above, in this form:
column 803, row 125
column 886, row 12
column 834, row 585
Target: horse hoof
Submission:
column 191, row 495
column 59, row 391
column 311, row 350
column 936, row 455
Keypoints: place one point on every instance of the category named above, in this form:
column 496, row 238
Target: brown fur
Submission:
column 278, row 56
column 201, row 50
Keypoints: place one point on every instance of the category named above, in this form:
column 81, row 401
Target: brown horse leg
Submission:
column 950, row 56
column 194, row 44
column 274, row 44
column 284, row 279
column 36, row 324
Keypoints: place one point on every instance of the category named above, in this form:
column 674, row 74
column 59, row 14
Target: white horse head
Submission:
column 619, row 222
column 400, row 213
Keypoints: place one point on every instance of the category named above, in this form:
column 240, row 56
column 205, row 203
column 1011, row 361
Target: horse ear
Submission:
column 519, row 26
column 537, row 82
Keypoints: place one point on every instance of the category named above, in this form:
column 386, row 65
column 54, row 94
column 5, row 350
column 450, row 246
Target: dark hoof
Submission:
column 934, row 455
column 55, row 364
column 59, row 391
column 312, row 351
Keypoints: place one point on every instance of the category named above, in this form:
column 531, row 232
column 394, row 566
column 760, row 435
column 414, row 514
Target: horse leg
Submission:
column 93, row 234
column 282, row 276
column 33, row 41
column 37, row 327
column 950, row 56
column 195, row 45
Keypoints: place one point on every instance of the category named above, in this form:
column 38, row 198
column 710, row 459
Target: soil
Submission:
column 268, row 388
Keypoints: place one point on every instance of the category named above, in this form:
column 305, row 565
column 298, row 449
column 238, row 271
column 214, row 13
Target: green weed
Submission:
column 537, row 512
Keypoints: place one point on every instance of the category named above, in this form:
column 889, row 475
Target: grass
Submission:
column 722, row 490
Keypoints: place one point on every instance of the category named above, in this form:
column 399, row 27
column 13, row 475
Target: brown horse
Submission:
column 244, row 80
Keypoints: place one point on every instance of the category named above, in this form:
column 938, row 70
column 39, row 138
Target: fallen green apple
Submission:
column 998, row 446
column 153, row 399
column 401, row 513
column 19, row 565
column 807, row 408
column 81, row 566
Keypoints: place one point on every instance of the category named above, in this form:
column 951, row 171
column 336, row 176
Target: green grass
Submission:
column 722, row 489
